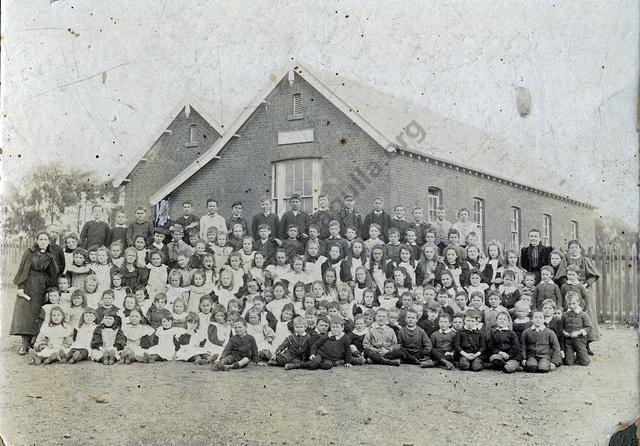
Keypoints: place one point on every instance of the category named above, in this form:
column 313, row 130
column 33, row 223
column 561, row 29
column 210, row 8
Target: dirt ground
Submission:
column 179, row 403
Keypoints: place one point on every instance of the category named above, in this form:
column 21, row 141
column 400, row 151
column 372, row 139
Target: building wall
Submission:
column 244, row 169
column 169, row 155
column 351, row 161
column 414, row 177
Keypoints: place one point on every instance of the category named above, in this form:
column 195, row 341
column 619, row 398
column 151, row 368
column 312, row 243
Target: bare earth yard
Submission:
column 178, row 403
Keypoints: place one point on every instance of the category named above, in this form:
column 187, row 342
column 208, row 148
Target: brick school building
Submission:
column 310, row 132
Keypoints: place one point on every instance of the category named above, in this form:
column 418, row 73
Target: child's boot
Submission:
column 62, row 356
column 33, row 356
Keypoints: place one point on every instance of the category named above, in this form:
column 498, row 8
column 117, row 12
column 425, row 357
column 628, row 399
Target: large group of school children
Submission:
column 312, row 292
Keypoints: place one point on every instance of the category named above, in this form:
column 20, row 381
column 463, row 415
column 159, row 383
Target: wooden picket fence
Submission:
column 10, row 254
column 617, row 290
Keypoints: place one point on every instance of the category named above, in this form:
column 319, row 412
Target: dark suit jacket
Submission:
column 544, row 258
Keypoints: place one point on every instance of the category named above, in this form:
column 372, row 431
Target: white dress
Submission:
column 195, row 293
column 314, row 269
column 119, row 296
column 282, row 331
column 84, row 335
column 165, row 348
column 276, row 306
column 176, row 292
column 157, row 282
column 222, row 333
column 134, row 333
column 387, row 303
column 93, row 300
column 74, row 316
column 103, row 274
column 263, row 334
column 224, row 296
column 108, row 341
column 51, row 339
column 193, row 348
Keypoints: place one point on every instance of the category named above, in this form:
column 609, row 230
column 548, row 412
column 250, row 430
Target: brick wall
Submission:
column 169, row 155
column 353, row 162
column 414, row 177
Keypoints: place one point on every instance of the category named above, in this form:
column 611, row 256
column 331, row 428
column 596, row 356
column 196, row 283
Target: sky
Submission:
column 88, row 84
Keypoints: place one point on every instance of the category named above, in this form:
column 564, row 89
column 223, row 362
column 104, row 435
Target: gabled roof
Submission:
column 383, row 117
column 205, row 108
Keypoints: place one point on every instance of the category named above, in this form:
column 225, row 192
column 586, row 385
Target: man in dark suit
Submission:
column 536, row 255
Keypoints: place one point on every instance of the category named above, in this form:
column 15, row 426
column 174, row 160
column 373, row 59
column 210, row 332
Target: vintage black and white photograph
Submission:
column 333, row 222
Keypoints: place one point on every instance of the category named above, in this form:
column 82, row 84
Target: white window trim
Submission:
column 575, row 230
column 432, row 210
column 279, row 202
column 516, row 218
column 546, row 229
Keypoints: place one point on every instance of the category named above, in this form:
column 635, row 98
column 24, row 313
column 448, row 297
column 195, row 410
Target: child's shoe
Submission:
column 291, row 366
column 62, row 356
column 427, row 363
column 54, row 357
column 448, row 365
column 201, row 361
column 75, row 357
column 33, row 356
column 216, row 366
column 358, row 360
column 393, row 362
column 589, row 351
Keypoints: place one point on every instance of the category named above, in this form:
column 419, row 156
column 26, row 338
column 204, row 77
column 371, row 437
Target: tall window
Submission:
column 515, row 227
column 478, row 216
column 574, row 230
column 299, row 176
column 546, row 229
column 434, row 199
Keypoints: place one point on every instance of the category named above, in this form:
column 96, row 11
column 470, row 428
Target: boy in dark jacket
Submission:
column 470, row 343
column 240, row 350
column 503, row 345
column 441, row 344
column 329, row 350
column 414, row 344
column 576, row 327
column 295, row 348
column 540, row 348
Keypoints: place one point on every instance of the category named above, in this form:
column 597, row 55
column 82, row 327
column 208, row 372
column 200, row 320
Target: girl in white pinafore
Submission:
column 262, row 333
column 54, row 337
column 137, row 336
column 190, row 341
column 217, row 334
column 81, row 346
column 165, row 348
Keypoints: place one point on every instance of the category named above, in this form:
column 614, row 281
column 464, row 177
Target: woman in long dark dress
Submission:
column 37, row 272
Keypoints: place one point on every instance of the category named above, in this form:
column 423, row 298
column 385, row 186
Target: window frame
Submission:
column 574, row 230
column 546, row 229
column 279, row 200
column 515, row 227
column 479, row 216
column 433, row 192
